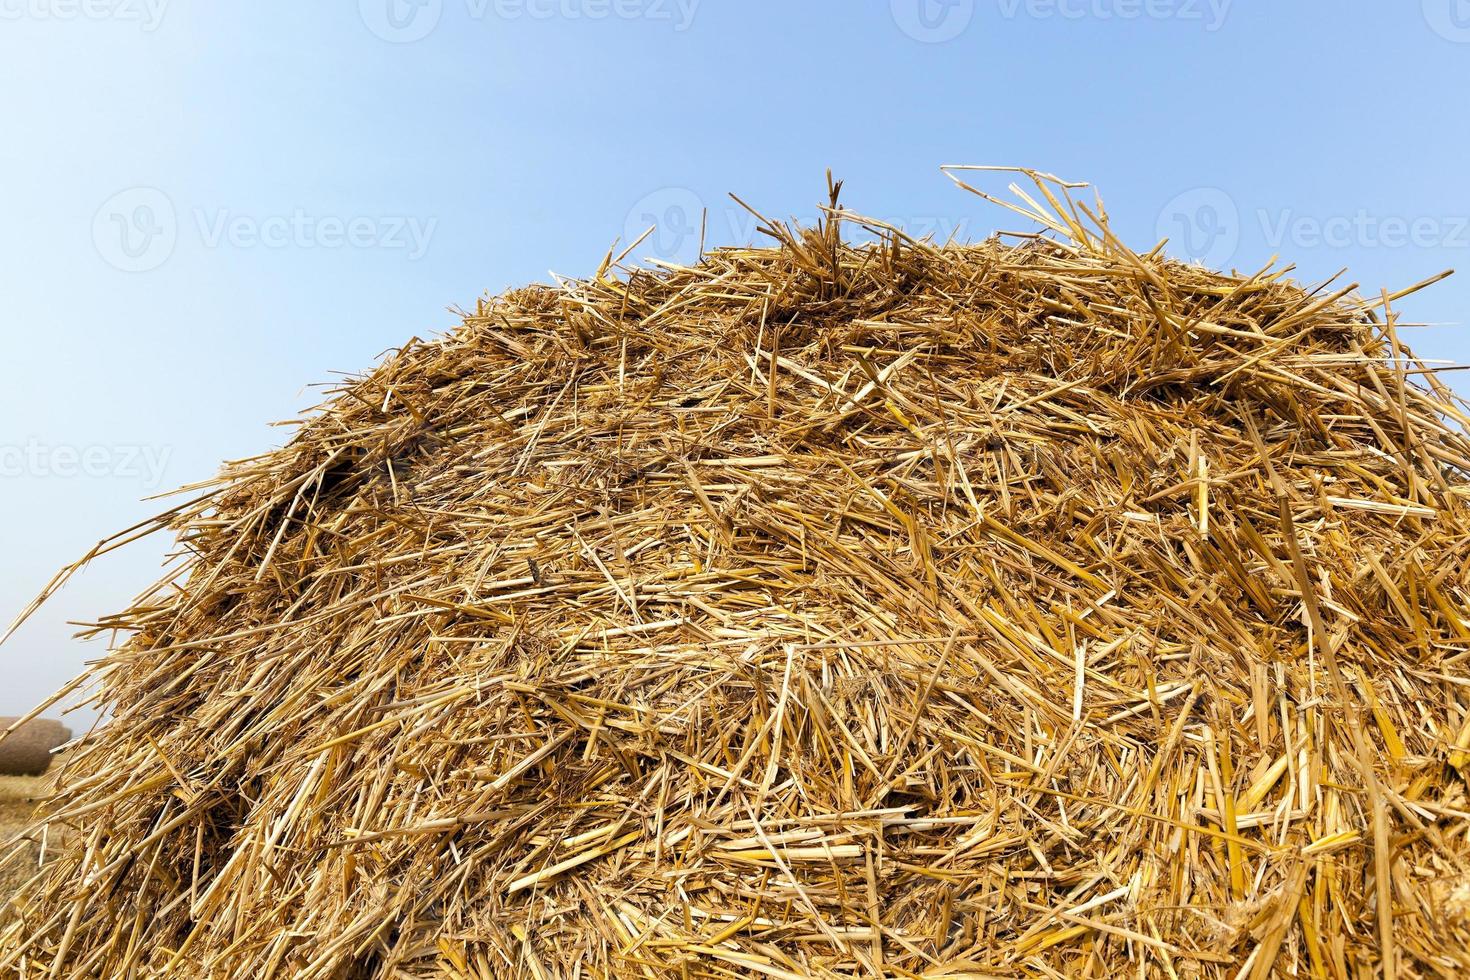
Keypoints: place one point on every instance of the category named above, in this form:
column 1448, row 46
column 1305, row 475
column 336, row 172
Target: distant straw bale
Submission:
column 27, row 750
column 889, row 609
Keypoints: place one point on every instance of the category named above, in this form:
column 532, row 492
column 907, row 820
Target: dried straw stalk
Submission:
column 822, row 610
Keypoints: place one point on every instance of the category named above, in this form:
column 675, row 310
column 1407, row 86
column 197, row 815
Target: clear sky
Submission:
column 205, row 207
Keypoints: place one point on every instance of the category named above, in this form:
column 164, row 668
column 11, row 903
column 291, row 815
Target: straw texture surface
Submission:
column 1033, row 607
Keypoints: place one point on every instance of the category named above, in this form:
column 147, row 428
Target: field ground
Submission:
column 17, row 804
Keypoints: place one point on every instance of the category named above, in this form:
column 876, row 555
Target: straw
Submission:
column 25, row 748
column 835, row 609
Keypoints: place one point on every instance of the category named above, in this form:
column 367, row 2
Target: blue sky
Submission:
column 206, row 208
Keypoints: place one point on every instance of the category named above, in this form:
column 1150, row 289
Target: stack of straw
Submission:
column 1024, row 608
column 26, row 746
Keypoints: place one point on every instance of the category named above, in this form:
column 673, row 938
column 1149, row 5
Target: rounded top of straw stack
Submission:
column 821, row 610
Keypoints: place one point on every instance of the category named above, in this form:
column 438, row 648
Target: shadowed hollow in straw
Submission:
column 823, row 610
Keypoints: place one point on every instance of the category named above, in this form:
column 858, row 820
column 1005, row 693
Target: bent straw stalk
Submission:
column 1023, row 608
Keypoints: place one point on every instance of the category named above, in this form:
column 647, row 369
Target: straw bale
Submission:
column 836, row 609
column 26, row 751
